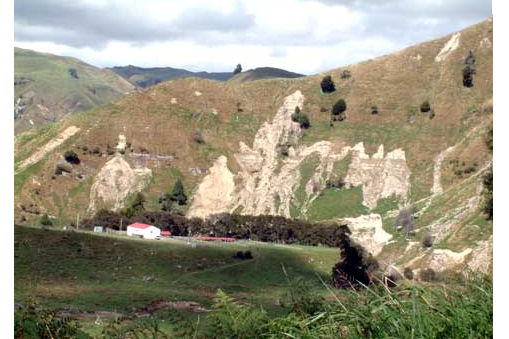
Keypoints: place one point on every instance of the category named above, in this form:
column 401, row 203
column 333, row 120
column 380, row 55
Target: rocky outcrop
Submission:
column 482, row 258
column 50, row 146
column 437, row 165
column 115, row 181
column 443, row 259
column 380, row 177
column 215, row 192
column 449, row 46
column 367, row 230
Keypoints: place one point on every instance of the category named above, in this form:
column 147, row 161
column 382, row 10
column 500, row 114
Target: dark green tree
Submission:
column 45, row 220
column 238, row 69
column 178, row 193
column 355, row 267
column 138, row 204
column 425, row 107
column 71, row 157
column 301, row 118
column 338, row 110
column 327, row 84
column 488, row 193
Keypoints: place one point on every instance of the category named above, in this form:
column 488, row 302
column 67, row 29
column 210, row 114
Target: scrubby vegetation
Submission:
column 469, row 70
column 488, row 193
column 301, row 118
column 327, row 84
column 338, row 110
column 71, row 157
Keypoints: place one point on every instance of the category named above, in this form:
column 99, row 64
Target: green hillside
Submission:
column 46, row 91
column 264, row 73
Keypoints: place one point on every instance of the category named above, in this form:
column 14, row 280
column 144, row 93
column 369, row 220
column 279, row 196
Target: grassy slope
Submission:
column 264, row 73
column 395, row 83
column 54, row 88
column 104, row 272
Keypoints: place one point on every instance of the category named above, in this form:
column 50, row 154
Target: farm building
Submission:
column 143, row 230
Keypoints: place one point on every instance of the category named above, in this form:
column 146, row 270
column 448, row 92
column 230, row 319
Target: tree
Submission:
column 427, row 240
column 327, row 84
column 238, row 69
column 487, row 181
column 198, row 137
column 73, row 72
column 425, row 107
column 178, row 193
column 71, row 157
column 338, row 110
column 355, row 266
column 137, row 205
column 46, row 221
column 469, row 70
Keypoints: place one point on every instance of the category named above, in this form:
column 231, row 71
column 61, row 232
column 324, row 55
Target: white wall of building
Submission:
column 147, row 233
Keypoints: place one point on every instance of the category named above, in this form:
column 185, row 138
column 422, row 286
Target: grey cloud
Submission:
column 82, row 24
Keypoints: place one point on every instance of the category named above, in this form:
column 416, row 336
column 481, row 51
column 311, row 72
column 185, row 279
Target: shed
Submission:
column 98, row 229
column 143, row 230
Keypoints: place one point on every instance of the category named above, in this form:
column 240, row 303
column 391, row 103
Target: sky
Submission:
column 298, row 35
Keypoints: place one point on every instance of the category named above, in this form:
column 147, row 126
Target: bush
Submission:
column 137, row 205
column 488, row 193
column 237, row 69
column 425, row 107
column 71, row 157
column 339, row 107
column 428, row 274
column 46, row 221
column 29, row 322
column 469, row 70
column 327, row 84
column 73, row 72
column 197, row 137
column 243, row 255
column 431, row 114
column 489, row 139
column 374, row 109
column 427, row 240
column 323, row 109
column 408, row 273
column 300, row 118
column 345, row 74
column 405, row 219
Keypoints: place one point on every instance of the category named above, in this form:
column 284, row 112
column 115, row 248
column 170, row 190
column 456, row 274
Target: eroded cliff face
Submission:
column 115, row 181
column 267, row 181
column 380, row 176
column 215, row 193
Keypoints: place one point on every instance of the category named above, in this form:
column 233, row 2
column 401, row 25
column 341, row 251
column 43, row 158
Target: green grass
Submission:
column 104, row 272
column 337, row 203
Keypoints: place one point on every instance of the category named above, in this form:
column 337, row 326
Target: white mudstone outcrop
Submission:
column 215, row 192
column 50, row 146
column 449, row 46
column 367, row 230
column 379, row 176
column 437, row 186
column 115, row 181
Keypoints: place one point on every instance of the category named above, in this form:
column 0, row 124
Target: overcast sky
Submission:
column 298, row 35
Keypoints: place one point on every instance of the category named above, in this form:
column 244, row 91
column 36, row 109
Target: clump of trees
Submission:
column 301, row 118
column 71, row 157
column 355, row 267
column 237, row 69
column 469, row 70
column 338, row 110
column 327, row 84
column 243, row 255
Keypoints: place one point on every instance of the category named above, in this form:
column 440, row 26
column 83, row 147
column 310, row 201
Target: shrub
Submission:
column 301, row 118
column 405, row 220
column 345, row 74
column 237, row 69
column 71, row 157
column 489, row 139
column 46, row 221
column 327, row 84
column 431, row 114
column 428, row 274
column 339, row 107
column 138, row 203
column 197, row 137
column 73, row 72
column 323, row 109
column 30, row 322
column 427, row 240
column 374, row 109
column 408, row 273
column 425, row 107
column 178, row 193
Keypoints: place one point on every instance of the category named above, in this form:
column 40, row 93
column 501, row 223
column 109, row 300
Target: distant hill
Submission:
column 264, row 73
column 145, row 77
column 49, row 87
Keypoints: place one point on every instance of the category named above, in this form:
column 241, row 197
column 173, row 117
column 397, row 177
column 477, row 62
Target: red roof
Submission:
column 139, row 225
column 165, row 233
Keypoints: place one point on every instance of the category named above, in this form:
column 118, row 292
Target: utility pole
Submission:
column 78, row 222
column 120, row 223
